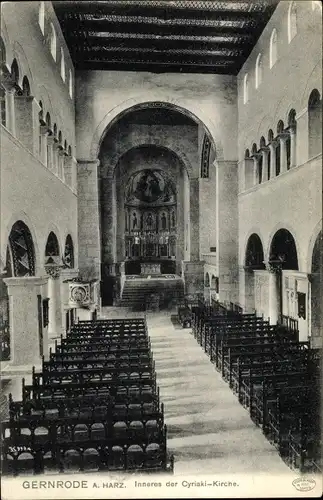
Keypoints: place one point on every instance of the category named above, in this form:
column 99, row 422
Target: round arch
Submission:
column 207, row 280
column 283, row 248
column 141, row 101
column 113, row 162
column 254, row 253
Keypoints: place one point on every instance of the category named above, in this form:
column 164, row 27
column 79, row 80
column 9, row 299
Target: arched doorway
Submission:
column 254, row 280
column 316, row 292
column 283, row 276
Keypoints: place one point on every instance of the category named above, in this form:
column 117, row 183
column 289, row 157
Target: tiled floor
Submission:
column 209, row 432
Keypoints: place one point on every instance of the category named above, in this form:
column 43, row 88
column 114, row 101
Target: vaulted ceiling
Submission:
column 162, row 35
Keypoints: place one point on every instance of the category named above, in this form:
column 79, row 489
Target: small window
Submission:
column 258, row 70
column 41, row 16
column 70, row 84
column 273, row 48
column 62, row 65
column 246, row 88
column 53, row 42
column 292, row 21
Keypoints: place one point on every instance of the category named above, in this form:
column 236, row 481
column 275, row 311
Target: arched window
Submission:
column 258, row 70
column 273, row 48
column 314, row 123
column 3, row 106
column 69, row 252
column 70, row 84
column 22, row 248
column 245, row 88
column 15, row 72
column 292, row 21
column 62, row 65
column 41, row 16
column 53, row 42
column 25, row 86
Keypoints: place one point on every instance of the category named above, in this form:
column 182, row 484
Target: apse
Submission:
column 149, row 199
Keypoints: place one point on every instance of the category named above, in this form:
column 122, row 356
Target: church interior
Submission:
column 161, row 261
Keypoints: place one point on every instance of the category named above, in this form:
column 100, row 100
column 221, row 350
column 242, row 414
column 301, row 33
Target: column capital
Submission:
column 274, row 266
column 84, row 162
column 53, row 270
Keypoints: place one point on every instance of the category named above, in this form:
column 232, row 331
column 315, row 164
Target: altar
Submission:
column 150, row 268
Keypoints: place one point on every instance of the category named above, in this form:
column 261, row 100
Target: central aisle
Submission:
column 209, row 431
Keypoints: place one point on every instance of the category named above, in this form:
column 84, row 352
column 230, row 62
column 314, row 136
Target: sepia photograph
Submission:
column 161, row 249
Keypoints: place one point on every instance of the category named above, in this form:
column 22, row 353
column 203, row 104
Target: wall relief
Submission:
column 149, row 186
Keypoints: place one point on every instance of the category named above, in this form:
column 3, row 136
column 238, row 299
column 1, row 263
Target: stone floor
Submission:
column 209, row 432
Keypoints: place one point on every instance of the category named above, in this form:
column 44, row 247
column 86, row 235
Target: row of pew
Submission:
column 276, row 377
column 93, row 406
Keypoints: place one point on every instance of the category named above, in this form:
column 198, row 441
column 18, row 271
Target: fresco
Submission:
column 149, row 186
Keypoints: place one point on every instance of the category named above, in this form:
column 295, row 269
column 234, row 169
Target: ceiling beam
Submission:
column 74, row 27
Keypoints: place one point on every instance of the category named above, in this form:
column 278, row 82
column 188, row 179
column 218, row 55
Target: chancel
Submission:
column 161, row 239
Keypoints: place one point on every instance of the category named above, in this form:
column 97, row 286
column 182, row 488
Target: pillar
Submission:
column 302, row 146
column 227, row 228
column 255, row 171
column 55, row 157
column 264, row 174
column 283, row 154
column 54, row 306
column 292, row 147
column 274, row 284
column 27, row 342
column 194, row 220
column 43, row 131
column 88, row 218
column 61, row 157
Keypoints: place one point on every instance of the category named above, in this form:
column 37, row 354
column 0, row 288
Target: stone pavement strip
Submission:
column 209, row 431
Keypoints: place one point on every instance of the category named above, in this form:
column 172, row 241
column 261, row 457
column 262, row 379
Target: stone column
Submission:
column 264, row 174
column 26, row 322
column 89, row 218
column 292, row 147
column 65, row 276
column 227, row 229
column 274, row 270
column 54, row 306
